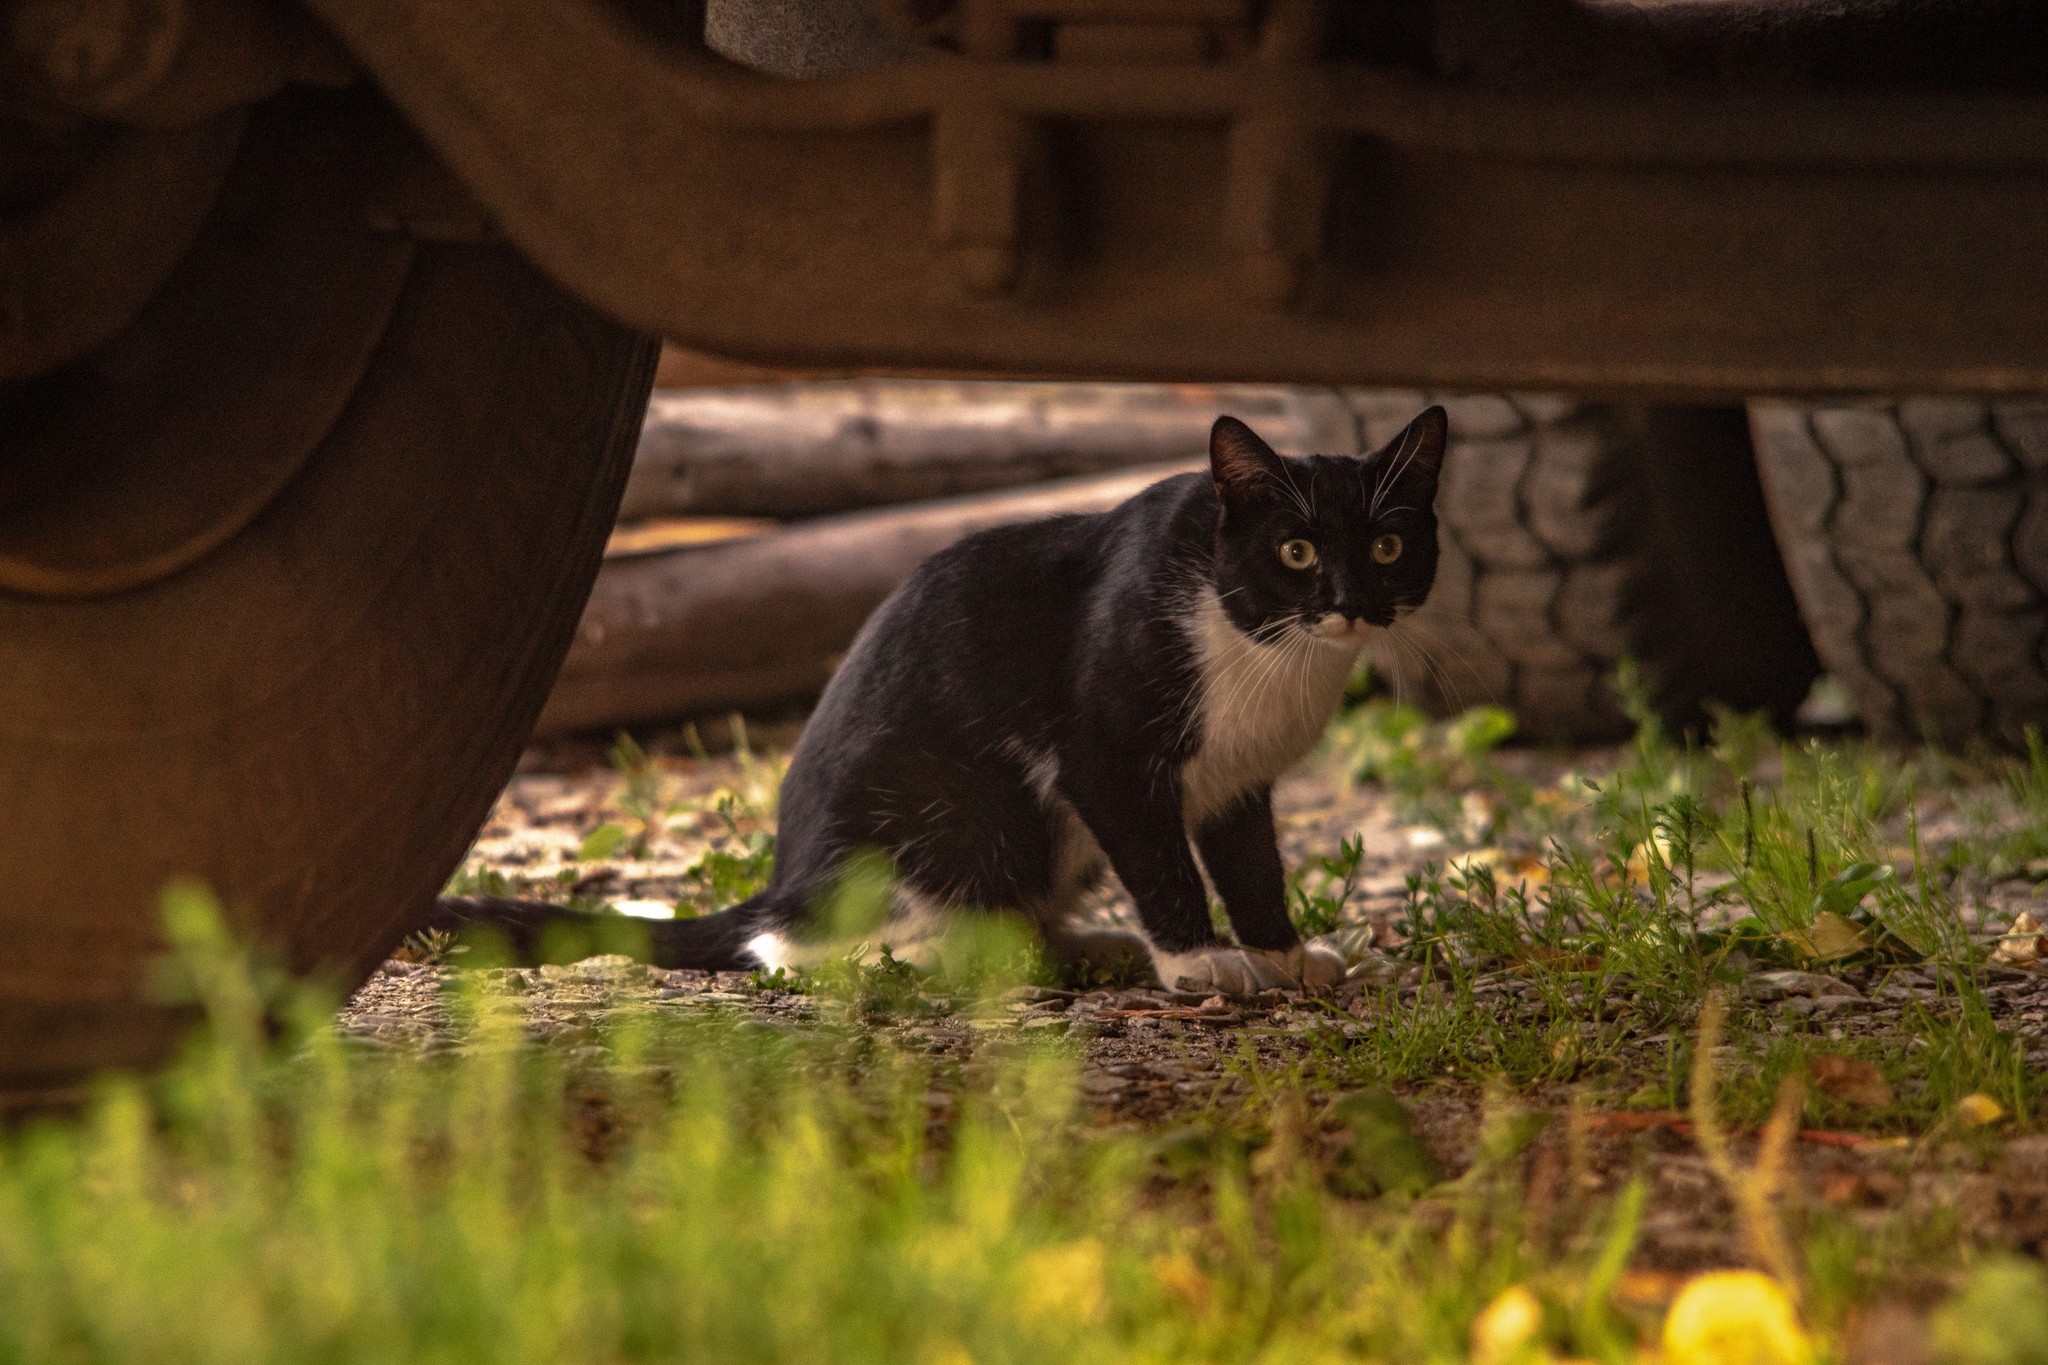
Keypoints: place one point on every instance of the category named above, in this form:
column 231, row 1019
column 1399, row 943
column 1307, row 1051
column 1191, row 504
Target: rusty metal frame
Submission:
column 1276, row 215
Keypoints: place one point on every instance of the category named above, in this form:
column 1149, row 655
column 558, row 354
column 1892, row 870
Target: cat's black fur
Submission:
column 1038, row 684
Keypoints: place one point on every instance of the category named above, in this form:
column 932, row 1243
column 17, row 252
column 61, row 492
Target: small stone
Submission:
column 1768, row 986
column 2028, row 1153
column 367, row 1023
column 605, row 968
column 1802, row 1006
column 1048, row 996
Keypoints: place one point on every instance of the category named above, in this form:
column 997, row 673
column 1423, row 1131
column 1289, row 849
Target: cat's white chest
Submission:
column 1260, row 707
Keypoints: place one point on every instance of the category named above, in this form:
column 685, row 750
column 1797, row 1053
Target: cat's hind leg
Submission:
column 1097, row 957
column 1084, row 954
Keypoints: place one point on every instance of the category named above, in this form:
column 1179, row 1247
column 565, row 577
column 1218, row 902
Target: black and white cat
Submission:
column 1041, row 701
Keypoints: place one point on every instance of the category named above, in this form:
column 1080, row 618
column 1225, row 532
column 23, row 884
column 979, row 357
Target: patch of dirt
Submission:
column 1152, row 1058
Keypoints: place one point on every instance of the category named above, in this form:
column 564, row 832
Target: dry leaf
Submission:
column 1842, row 1187
column 674, row 533
column 1177, row 1274
column 1657, row 846
column 1829, row 936
column 1851, row 1080
column 1530, row 870
column 1558, row 959
column 2023, row 945
column 1649, row 1288
column 1465, row 864
column 1507, row 869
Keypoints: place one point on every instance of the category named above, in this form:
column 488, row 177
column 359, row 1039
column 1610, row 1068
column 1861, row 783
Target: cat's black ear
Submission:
column 1416, row 456
column 1241, row 463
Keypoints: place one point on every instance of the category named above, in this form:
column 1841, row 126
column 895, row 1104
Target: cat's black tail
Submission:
column 708, row 943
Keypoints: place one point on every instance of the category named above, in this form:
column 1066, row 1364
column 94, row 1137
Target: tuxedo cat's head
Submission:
column 1332, row 546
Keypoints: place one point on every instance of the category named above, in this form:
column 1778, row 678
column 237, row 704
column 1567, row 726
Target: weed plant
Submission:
column 696, row 1190
column 1616, row 900
column 691, row 1187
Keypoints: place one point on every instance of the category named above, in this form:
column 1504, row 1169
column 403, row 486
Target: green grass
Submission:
column 689, row 1186
column 1610, row 902
column 695, row 1190
column 2027, row 784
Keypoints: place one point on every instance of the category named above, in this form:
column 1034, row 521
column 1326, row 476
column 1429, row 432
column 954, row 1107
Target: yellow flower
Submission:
column 1979, row 1110
column 1734, row 1317
column 1508, row 1328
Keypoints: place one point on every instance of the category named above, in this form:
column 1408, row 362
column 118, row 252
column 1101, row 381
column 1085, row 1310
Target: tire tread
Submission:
column 1924, row 583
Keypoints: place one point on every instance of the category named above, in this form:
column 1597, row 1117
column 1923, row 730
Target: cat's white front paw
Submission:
column 1231, row 971
column 1321, row 967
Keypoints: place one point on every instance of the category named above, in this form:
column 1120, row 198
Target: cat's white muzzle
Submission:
column 1338, row 629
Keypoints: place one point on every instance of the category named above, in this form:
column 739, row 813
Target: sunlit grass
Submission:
column 693, row 1190
column 688, row 1187
column 1615, row 898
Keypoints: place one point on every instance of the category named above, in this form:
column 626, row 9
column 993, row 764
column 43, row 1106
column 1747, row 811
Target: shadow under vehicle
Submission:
column 324, row 338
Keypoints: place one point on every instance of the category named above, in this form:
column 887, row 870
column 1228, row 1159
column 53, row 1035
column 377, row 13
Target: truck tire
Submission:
column 1916, row 534
column 313, row 715
column 1574, row 535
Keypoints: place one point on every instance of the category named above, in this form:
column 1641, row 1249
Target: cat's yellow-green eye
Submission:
column 1386, row 549
column 1297, row 554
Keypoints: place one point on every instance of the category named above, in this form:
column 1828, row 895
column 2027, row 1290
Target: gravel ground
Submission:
column 1154, row 1058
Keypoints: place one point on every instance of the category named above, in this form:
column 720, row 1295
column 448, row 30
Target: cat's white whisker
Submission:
column 1453, row 697
column 1451, row 642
